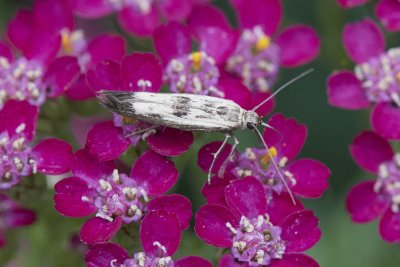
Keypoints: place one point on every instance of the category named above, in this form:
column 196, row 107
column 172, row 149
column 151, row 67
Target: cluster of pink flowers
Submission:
column 374, row 83
column 250, row 210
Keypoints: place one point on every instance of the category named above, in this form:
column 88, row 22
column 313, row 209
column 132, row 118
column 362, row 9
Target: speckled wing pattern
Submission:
column 182, row 111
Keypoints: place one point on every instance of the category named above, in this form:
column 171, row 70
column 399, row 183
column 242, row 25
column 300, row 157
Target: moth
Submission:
column 192, row 112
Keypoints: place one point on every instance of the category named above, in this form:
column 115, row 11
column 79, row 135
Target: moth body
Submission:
column 182, row 111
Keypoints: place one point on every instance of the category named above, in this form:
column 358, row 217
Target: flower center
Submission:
column 258, row 163
column 388, row 182
column 195, row 74
column 380, row 77
column 255, row 60
column 119, row 195
column 142, row 6
column 15, row 160
column 21, row 80
column 257, row 241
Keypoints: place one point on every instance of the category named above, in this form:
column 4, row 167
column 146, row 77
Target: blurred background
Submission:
column 52, row 241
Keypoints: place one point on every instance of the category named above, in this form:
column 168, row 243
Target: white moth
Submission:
column 191, row 113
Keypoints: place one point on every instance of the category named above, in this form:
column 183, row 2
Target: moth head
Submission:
column 251, row 119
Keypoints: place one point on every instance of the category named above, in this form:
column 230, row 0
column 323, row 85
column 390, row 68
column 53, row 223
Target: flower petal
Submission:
column 385, row 120
column 170, row 142
column 351, row 3
column 228, row 260
column 257, row 98
column 162, row 227
column 369, row 150
column 53, row 16
column 105, row 141
column 207, row 16
column 16, row 113
column 300, row 230
column 172, row 40
column 389, row 226
column 88, row 167
column 5, row 51
column 295, row 260
column 141, row 66
column 363, row 40
column 20, row 28
column 363, row 203
column 70, row 195
column 17, row 217
column 211, row 226
column 388, row 11
column 281, row 206
column 137, row 23
column 205, row 156
column 311, row 177
column 91, row 8
column 299, row 45
column 96, row 230
column 175, row 9
column 246, row 197
column 192, row 261
column 235, row 90
column 106, row 76
column 52, row 156
column 345, row 91
column 155, row 172
column 177, row 204
column 214, row 192
column 80, row 89
column 102, row 254
column 291, row 137
column 106, row 47
column 266, row 13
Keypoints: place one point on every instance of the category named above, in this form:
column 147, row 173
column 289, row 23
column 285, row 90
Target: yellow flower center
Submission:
column 129, row 120
column 265, row 160
column 196, row 59
column 262, row 43
column 66, row 42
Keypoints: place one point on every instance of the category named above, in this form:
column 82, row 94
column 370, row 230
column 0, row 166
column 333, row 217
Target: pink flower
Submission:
column 254, row 233
column 115, row 197
column 13, row 216
column 388, row 11
column 160, row 236
column 17, row 156
column 126, row 76
column 370, row 199
column 374, row 79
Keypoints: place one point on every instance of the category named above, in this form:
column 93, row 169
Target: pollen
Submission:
column 66, row 42
column 267, row 158
column 129, row 120
column 196, row 59
column 262, row 43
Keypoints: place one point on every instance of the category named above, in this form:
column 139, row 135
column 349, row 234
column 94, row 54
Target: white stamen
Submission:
column 229, row 225
column 157, row 244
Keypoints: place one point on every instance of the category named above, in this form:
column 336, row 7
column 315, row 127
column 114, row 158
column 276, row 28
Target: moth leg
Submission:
column 141, row 131
column 216, row 154
column 229, row 158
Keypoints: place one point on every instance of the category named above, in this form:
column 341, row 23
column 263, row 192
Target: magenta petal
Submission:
column 351, row 3
column 234, row 90
column 6, row 52
column 211, row 225
column 281, row 206
column 295, row 260
column 257, row 98
column 163, row 227
column 17, row 217
column 16, row 113
column 311, row 177
column 207, row 16
column 214, row 192
column 300, row 230
column 53, row 15
column 80, row 126
column 299, row 45
column 175, row 9
column 137, row 23
column 106, row 76
column 228, row 260
column 247, row 197
column 205, row 156
column 43, row 46
column 192, row 261
column 385, row 120
column 172, row 40
column 369, row 150
column 20, row 29
column 70, row 195
column 52, row 156
column 100, row 255
column 88, row 167
column 155, row 172
column 363, row 40
column 170, row 141
column 388, row 11
column 389, row 226
column 138, row 67
column 177, row 204
column 106, row 47
column 91, row 8
column 80, row 90
column 96, row 230
column 345, row 91
column 105, row 141
column 292, row 135
column 2, row 240
column 266, row 13
column 363, row 203
column 61, row 73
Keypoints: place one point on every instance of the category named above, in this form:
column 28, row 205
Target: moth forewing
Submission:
column 182, row 111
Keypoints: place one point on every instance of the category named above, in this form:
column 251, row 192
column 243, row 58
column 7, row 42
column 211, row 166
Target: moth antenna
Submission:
column 266, row 125
column 275, row 166
column 283, row 87
column 116, row 101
